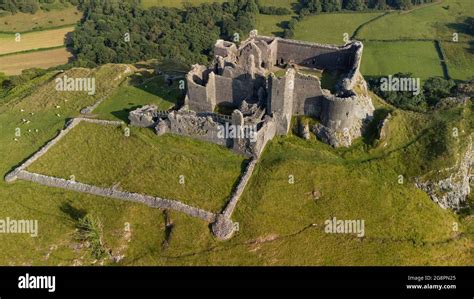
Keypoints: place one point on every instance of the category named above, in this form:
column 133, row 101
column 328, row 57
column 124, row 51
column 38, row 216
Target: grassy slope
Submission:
column 403, row 226
column 419, row 58
column 21, row 22
column 34, row 40
column 55, row 209
column 128, row 97
column 14, row 64
column 329, row 28
column 460, row 60
column 144, row 163
column 431, row 22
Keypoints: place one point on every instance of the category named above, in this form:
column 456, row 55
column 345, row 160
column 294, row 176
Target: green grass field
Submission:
column 388, row 58
column 432, row 22
column 145, row 163
column 128, row 97
column 271, row 25
column 330, row 28
column 460, row 60
column 34, row 40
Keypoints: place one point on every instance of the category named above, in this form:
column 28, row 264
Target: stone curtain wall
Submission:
column 237, row 192
column 308, row 96
column 314, row 55
column 264, row 134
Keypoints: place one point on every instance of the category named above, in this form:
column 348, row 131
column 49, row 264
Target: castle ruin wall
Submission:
column 307, row 96
column 281, row 100
column 313, row 55
column 194, row 126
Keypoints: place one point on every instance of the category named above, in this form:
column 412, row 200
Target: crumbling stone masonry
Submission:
column 247, row 76
column 248, row 73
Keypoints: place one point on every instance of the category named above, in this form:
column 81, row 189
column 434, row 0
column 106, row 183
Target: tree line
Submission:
column 115, row 31
column 317, row 6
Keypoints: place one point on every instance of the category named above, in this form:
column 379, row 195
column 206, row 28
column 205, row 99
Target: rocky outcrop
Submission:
column 382, row 127
column 452, row 191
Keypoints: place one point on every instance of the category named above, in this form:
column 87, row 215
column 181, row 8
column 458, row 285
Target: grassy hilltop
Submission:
column 280, row 223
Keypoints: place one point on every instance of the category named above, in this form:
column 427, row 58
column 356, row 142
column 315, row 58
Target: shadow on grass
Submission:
column 74, row 213
column 467, row 27
column 123, row 114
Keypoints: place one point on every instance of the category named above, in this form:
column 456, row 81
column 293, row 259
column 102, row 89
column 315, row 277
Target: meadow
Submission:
column 437, row 21
column 330, row 28
column 388, row 58
column 460, row 60
column 144, row 163
column 33, row 40
column 41, row 20
column 271, row 25
column 14, row 64
column 127, row 97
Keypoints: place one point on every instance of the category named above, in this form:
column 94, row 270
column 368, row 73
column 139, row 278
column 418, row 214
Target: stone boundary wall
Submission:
column 223, row 228
column 237, row 192
column 154, row 202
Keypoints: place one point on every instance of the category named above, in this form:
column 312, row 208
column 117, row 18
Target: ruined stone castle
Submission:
column 265, row 82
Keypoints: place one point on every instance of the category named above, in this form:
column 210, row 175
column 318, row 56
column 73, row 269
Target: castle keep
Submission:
column 265, row 81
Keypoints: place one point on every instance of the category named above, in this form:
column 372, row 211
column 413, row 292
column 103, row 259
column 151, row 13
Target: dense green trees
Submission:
column 14, row 6
column 316, row 6
column 122, row 32
column 432, row 91
column 272, row 10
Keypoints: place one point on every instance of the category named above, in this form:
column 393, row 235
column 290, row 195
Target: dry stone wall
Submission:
column 151, row 201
